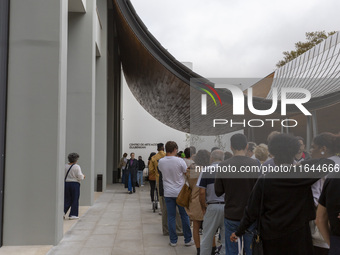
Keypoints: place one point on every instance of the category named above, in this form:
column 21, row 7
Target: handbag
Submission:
column 184, row 195
column 257, row 245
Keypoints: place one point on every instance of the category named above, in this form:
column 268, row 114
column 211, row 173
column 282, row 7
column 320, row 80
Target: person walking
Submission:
column 131, row 174
column 173, row 171
column 73, row 176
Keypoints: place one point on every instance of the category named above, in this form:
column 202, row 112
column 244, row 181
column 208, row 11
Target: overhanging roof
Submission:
column 161, row 84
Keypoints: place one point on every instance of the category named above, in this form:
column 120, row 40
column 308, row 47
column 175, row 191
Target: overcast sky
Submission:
column 235, row 38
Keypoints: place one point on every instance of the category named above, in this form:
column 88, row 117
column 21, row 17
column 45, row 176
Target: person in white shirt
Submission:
column 73, row 176
column 173, row 171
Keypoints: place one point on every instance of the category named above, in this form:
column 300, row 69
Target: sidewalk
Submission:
column 120, row 224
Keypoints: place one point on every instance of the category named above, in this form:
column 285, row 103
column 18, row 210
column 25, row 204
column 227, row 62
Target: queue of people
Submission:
column 294, row 214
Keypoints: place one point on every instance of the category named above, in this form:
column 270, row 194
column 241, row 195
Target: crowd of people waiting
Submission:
column 293, row 214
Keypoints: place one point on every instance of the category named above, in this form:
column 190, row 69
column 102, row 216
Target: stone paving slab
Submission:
column 119, row 224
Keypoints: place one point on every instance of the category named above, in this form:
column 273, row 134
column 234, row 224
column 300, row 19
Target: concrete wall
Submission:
column 101, row 96
column 35, row 149
column 141, row 127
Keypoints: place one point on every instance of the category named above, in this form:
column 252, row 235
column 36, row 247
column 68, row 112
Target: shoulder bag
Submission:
column 184, row 195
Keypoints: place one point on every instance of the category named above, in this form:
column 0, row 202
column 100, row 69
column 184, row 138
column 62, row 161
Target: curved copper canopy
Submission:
column 161, row 84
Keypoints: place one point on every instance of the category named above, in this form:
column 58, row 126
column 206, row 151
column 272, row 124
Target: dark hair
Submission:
column 251, row 146
column 179, row 154
column 125, row 155
column 193, row 150
column 227, row 155
column 238, row 142
column 214, row 148
column 187, row 152
column 160, row 146
column 73, row 157
column 202, row 158
column 283, row 147
column 329, row 140
column 170, row 146
column 300, row 139
column 151, row 155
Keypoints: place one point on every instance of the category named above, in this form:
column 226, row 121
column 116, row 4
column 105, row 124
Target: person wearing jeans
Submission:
column 171, row 210
column 236, row 190
column 141, row 166
column 232, row 247
column 173, row 170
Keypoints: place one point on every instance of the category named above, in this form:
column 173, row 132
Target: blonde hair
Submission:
column 261, row 152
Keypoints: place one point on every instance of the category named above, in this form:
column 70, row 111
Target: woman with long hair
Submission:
column 194, row 210
column 152, row 178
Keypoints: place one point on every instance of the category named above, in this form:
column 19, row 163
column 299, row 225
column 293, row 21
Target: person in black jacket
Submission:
column 131, row 174
column 287, row 202
column 141, row 166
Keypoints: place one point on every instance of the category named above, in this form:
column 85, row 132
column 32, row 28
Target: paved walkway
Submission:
column 119, row 224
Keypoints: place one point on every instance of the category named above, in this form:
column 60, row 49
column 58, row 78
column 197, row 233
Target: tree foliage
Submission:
column 313, row 38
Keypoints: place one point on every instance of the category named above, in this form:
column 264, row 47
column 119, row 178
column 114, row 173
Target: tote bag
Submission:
column 184, row 196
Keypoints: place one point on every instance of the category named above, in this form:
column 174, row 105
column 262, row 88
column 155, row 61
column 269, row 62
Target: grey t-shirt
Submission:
column 207, row 181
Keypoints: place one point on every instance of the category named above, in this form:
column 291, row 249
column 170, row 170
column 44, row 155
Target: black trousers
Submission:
column 297, row 243
column 118, row 174
column 71, row 198
column 152, row 190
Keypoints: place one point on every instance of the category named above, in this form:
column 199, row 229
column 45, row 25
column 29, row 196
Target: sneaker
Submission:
column 218, row 249
column 160, row 213
column 142, row 185
column 74, row 218
column 173, row 244
column 190, row 243
column 130, row 192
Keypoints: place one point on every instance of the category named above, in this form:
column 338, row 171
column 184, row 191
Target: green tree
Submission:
column 313, row 38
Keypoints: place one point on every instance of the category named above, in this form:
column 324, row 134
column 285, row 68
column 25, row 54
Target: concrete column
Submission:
column 35, row 140
column 81, row 77
column 314, row 124
column 309, row 132
column 101, row 95
column 114, row 137
column 110, row 96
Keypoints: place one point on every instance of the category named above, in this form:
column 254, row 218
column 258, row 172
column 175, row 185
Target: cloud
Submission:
column 242, row 38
